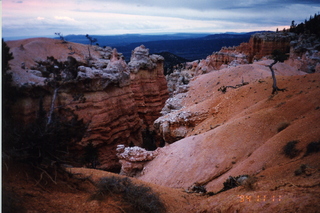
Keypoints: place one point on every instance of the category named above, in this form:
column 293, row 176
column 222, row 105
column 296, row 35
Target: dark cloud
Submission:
column 216, row 4
column 149, row 16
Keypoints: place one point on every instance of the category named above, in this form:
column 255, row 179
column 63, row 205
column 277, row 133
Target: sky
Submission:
column 109, row 17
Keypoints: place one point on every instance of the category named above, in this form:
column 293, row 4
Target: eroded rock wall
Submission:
column 118, row 101
column 148, row 84
column 259, row 45
column 304, row 54
column 263, row 44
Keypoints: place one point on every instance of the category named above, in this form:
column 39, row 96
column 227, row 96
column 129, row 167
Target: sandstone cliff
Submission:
column 212, row 136
column 304, row 54
column 119, row 101
column 263, row 44
column 259, row 45
column 148, row 84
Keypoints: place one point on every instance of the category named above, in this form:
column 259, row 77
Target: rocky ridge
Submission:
column 119, row 100
column 213, row 136
column 303, row 52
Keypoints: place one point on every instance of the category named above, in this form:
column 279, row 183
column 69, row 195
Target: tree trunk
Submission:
column 54, row 97
column 275, row 88
column 89, row 53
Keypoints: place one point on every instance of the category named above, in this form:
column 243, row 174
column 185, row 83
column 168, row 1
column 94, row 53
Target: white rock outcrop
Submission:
column 140, row 59
column 132, row 159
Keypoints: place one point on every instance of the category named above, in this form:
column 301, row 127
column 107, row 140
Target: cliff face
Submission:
column 117, row 101
column 259, row 45
column 263, row 44
column 304, row 54
column 230, row 56
column 148, row 84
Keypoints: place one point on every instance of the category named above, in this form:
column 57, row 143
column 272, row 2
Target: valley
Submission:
column 208, row 137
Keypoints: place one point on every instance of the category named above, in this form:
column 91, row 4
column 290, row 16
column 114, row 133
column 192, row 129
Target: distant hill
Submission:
column 126, row 39
column 192, row 48
column 186, row 45
column 170, row 60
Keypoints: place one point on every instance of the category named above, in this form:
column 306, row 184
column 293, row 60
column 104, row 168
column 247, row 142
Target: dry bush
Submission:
column 290, row 149
column 301, row 170
column 136, row 198
column 313, row 147
column 249, row 183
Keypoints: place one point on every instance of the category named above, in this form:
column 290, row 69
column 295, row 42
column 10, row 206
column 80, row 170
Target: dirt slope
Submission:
column 242, row 131
column 242, row 134
column 28, row 189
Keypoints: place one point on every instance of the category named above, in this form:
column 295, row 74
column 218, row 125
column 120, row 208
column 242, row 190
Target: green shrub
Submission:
column 136, row 198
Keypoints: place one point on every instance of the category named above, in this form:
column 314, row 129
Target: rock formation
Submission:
column 212, row 136
column 263, row 44
column 259, row 45
column 227, row 56
column 119, row 101
column 241, row 134
column 148, row 84
column 132, row 159
column 304, row 54
column 178, row 80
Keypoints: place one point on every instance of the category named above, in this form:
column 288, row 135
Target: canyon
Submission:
column 201, row 136
column 121, row 100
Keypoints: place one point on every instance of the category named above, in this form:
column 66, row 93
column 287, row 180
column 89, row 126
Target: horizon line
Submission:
column 12, row 38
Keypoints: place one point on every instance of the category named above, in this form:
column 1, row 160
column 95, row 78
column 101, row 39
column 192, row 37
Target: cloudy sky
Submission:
column 105, row 17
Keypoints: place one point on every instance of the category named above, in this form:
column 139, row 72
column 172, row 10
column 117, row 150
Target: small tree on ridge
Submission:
column 91, row 40
column 277, row 56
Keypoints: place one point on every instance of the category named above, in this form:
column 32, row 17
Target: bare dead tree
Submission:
column 54, row 97
column 91, row 40
column 277, row 56
column 61, row 37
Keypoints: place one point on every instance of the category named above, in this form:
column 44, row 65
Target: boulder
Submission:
column 132, row 159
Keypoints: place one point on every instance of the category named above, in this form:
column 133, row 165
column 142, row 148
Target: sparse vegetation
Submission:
column 310, row 26
column 39, row 144
column 91, row 40
column 277, row 56
column 135, row 198
column 290, row 149
column 197, row 188
column 61, row 37
column 46, row 139
column 301, row 170
column 305, row 170
column 223, row 89
column 313, row 147
column 6, row 57
column 91, row 155
column 247, row 181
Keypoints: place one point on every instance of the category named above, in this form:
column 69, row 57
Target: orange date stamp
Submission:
column 259, row 198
